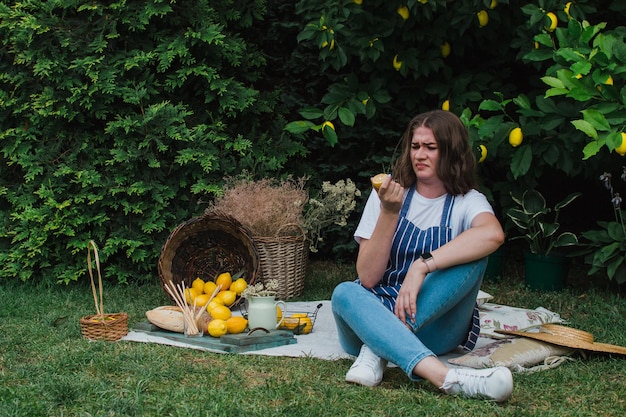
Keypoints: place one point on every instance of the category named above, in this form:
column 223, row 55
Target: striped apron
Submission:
column 409, row 243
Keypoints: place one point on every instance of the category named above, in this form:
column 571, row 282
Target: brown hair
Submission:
column 457, row 163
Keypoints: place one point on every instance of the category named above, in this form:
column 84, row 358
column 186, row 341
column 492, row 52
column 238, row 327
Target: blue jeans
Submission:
column 444, row 311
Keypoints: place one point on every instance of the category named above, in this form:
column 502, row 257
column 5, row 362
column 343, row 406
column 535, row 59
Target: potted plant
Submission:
column 539, row 227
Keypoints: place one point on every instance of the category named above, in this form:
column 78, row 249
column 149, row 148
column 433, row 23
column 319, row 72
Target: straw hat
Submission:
column 568, row 337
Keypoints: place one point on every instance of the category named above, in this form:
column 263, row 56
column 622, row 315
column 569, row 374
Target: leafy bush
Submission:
column 117, row 118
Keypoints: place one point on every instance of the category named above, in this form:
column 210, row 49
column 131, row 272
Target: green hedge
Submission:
column 117, row 119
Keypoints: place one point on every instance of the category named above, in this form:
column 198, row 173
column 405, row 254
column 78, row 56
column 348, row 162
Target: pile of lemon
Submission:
column 222, row 321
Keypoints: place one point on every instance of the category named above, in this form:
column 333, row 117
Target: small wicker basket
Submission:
column 283, row 258
column 205, row 247
column 101, row 326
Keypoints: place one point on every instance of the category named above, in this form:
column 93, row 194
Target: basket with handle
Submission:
column 204, row 247
column 284, row 258
column 101, row 326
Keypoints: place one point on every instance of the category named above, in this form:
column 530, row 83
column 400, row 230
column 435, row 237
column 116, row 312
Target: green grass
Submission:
column 48, row 369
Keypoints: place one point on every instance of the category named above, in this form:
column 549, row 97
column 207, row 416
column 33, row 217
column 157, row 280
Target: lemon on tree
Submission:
column 445, row 105
column 516, row 137
column 217, row 327
column 328, row 124
column 621, row 149
column 445, row 49
column 483, row 18
column 397, row 64
column 403, row 11
column 553, row 22
column 483, row 153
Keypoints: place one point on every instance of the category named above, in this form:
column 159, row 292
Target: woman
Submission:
column 423, row 242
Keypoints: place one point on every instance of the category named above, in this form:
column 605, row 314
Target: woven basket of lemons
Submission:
column 206, row 247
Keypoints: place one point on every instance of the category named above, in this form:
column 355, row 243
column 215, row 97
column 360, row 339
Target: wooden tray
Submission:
column 230, row 343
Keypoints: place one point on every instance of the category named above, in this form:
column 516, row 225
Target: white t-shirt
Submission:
column 426, row 212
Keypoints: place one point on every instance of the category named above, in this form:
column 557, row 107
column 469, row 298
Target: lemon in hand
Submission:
column 377, row 180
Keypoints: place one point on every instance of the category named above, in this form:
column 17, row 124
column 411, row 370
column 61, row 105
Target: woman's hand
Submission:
column 406, row 302
column 391, row 195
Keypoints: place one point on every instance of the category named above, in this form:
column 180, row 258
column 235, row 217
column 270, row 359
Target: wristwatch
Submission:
column 428, row 259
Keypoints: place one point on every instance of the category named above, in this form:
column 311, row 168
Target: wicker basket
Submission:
column 101, row 326
column 109, row 327
column 205, row 247
column 283, row 258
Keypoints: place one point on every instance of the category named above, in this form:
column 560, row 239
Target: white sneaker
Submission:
column 367, row 369
column 493, row 383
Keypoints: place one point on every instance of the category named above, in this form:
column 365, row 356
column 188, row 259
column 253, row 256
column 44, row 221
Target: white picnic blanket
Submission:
column 323, row 341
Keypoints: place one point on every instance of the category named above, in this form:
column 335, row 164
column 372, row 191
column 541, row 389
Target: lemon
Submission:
column 209, row 287
column 221, row 312
column 217, row 327
column 305, row 326
column 202, row 299
column 238, row 286
column 377, row 180
column 329, row 124
column 493, row 4
column 483, row 18
column 279, row 314
column 609, row 81
column 483, row 153
column 446, row 105
column 227, row 296
column 566, row 9
column 621, row 149
column 216, row 302
column 515, row 137
column 332, row 44
column 359, row 2
column 403, row 11
column 298, row 315
column 553, row 21
column 236, row 324
column 445, row 49
column 198, row 284
column 290, row 323
column 190, row 294
column 397, row 64
column 224, row 280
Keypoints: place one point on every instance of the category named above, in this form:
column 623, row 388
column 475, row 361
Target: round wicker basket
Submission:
column 205, row 247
